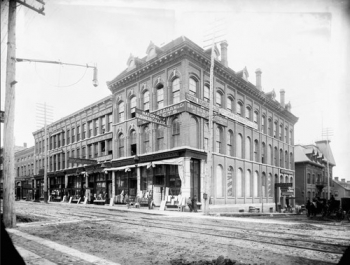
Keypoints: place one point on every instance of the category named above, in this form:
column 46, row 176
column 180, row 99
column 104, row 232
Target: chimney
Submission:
column 224, row 45
column 258, row 78
column 336, row 178
column 282, row 92
column 25, row 145
column 342, row 180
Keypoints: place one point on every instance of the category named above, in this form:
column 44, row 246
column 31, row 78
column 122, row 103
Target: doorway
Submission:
column 195, row 179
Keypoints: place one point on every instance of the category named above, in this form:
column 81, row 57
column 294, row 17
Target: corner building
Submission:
column 252, row 132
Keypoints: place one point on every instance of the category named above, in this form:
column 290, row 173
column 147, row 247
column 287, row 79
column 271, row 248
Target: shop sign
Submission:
column 204, row 113
column 100, row 138
column 171, row 110
column 286, row 172
column 150, row 117
column 81, row 161
column 283, row 185
column 104, row 158
column 286, row 193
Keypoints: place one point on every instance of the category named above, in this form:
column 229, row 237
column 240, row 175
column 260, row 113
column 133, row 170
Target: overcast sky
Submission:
column 301, row 48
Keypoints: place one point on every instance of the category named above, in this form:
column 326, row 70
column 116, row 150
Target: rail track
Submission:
column 327, row 248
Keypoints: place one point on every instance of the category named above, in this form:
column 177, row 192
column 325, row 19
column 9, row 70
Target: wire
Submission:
column 59, row 85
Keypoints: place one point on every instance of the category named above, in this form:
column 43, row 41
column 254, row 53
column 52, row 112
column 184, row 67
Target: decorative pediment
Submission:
column 131, row 62
column 152, row 51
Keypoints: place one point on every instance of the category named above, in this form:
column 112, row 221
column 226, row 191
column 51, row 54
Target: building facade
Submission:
column 311, row 168
column 341, row 188
column 72, row 142
column 253, row 134
column 24, row 166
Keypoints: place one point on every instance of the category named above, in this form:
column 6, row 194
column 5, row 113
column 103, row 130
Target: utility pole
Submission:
column 9, row 215
column 209, row 172
column 327, row 132
column 47, row 113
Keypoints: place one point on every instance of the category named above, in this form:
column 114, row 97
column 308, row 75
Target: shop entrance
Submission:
column 195, row 179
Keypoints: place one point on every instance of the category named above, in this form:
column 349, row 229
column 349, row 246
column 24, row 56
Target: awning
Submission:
column 126, row 168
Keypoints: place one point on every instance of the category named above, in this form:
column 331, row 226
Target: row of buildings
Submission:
column 109, row 148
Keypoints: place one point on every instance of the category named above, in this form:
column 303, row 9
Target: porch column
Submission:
column 113, row 185
column 138, row 171
column 186, row 186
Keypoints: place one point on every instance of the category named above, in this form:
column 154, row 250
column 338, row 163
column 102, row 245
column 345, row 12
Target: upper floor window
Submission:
column 73, row 135
column 146, row 145
column 255, row 117
column 281, row 132
column 121, row 111
column 160, row 137
column 78, row 133
column 84, row 131
column 193, row 86
column 110, row 121
column 175, row 132
column 176, row 90
column 247, row 148
column 239, row 108
column 290, row 136
column 286, row 135
column 229, row 140
column 218, row 99
column 218, row 140
column 121, row 145
column 281, row 158
column 132, row 107
column 263, row 128
column 160, row 96
column 291, row 161
column 96, row 127
column 146, row 101
column 286, row 159
column 269, row 128
column 256, row 151
column 63, row 139
column 248, row 112
column 133, row 150
column 206, row 93
column 229, row 104
column 103, row 124
column 239, row 148
column 275, row 129
column 68, row 136
column 90, row 129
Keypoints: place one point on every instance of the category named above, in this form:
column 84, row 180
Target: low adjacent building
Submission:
column 341, row 188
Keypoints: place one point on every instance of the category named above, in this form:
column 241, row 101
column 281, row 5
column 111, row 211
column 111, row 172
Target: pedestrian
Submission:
column 194, row 203
column 150, row 201
column 189, row 203
column 127, row 201
column 308, row 207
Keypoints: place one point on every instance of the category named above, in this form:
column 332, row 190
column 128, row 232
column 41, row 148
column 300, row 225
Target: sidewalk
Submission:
column 38, row 251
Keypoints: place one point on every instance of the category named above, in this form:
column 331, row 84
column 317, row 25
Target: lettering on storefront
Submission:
column 158, row 156
column 283, row 185
column 99, row 138
column 204, row 113
column 104, row 158
column 81, row 161
column 287, row 172
column 150, row 117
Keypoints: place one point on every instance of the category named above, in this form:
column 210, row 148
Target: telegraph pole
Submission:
column 9, row 215
column 208, row 177
column 47, row 113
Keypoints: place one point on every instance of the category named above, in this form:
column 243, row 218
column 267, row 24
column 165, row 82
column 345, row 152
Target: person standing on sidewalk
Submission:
column 194, row 203
column 189, row 203
column 150, row 201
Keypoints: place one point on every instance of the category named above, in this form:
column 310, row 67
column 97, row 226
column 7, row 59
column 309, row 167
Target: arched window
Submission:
column 270, row 186
column 239, row 182
column 263, row 156
column 160, row 96
column 308, row 178
column 132, row 107
column 248, row 112
column 219, row 182
column 286, row 179
column 218, row 99
column 133, row 150
column 255, row 184
column 175, row 129
column 263, row 121
column 206, row 136
column 121, row 116
column 281, row 179
column 275, row 129
column 247, row 148
column 290, row 137
column 206, row 93
column 291, row 180
column 247, row 184
column 256, row 150
column 239, row 108
column 239, row 146
column 291, row 161
column 193, row 86
column 281, row 158
column 269, row 126
column 176, row 90
column 286, row 135
column 286, row 159
column 218, row 140
column 280, row 132
column 229, row 140
column 230, row 182
column 120, row 145
column 146, row 101
column 269, row 155
column 263, row 184
column 146, row 145
column 255, row 117
column 160, row 137
column 229, row 104
column 275, row 156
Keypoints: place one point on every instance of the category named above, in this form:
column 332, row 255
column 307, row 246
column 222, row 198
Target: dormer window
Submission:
column 131, row 63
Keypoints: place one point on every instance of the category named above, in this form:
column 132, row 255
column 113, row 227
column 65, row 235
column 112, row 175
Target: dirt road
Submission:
column 137, row 237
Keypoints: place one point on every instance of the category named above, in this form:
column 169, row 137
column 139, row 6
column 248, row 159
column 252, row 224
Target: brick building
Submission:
column 311, row 171
column 341, row 188
column 85, row 134
column 252, row 136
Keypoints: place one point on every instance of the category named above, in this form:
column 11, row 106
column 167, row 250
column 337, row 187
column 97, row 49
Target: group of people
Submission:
column 318, row 205
column 192, row 203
